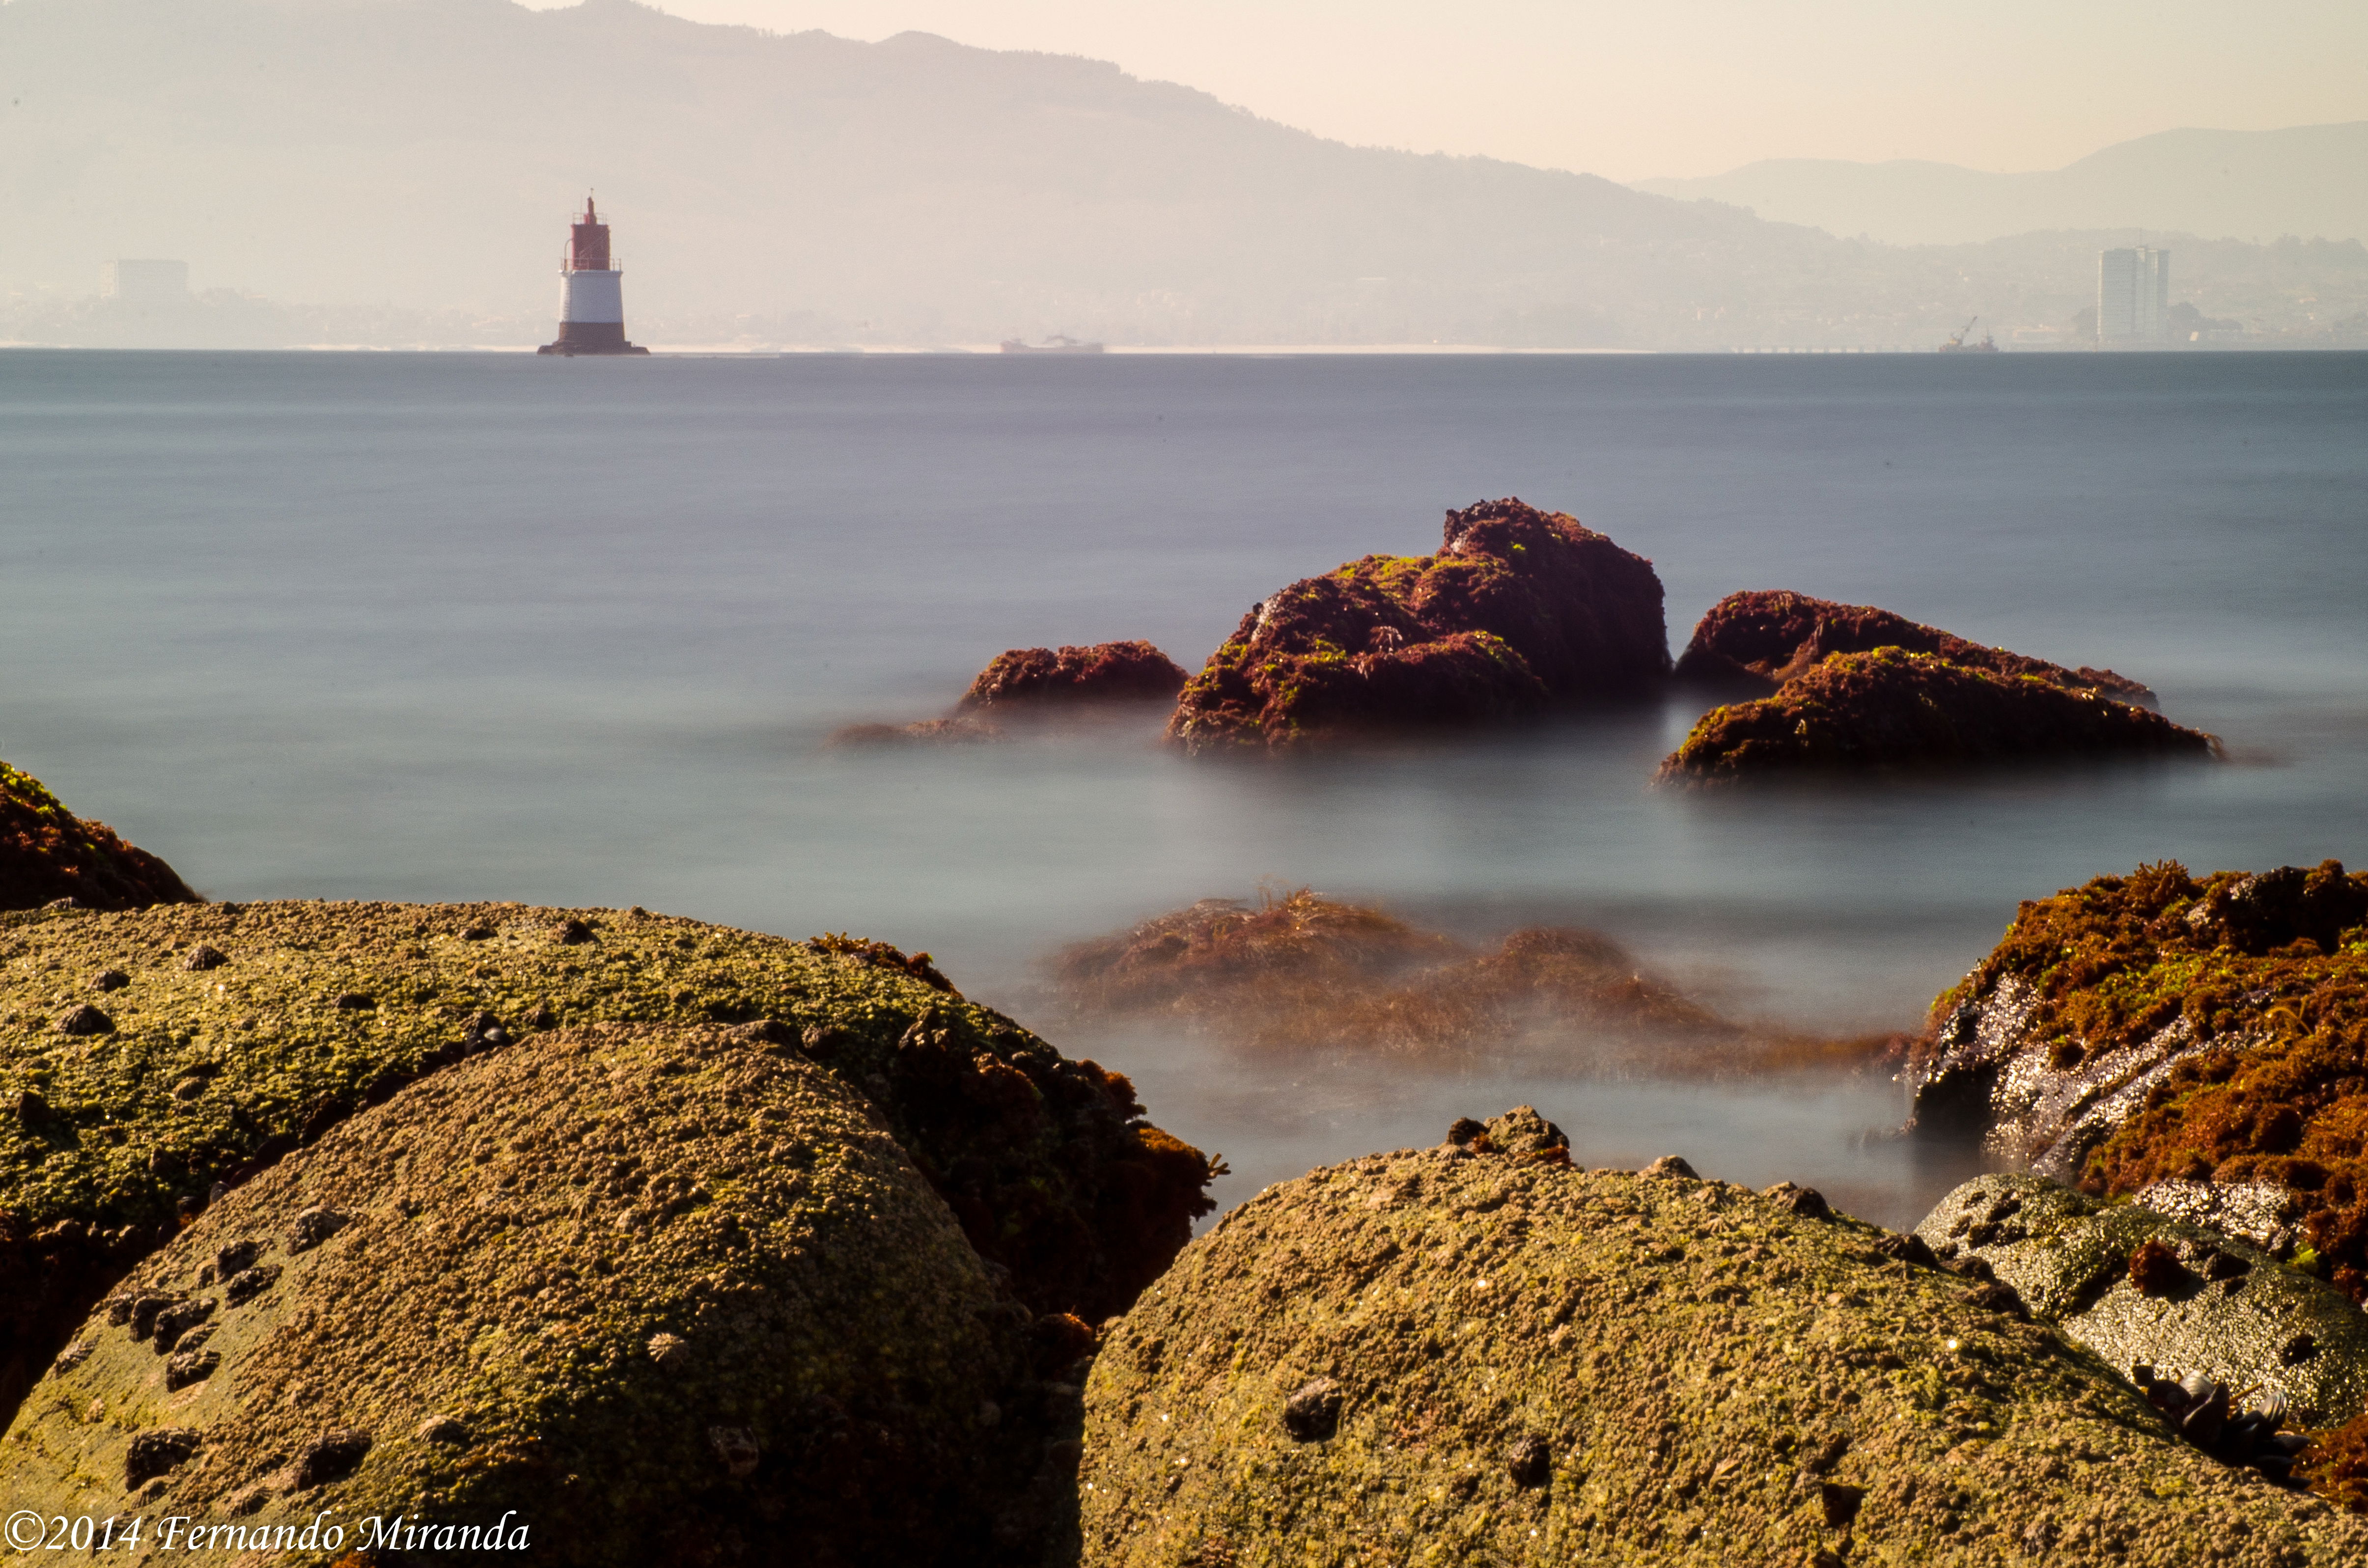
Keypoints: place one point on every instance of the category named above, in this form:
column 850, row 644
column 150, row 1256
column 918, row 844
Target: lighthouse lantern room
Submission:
column 591, row 293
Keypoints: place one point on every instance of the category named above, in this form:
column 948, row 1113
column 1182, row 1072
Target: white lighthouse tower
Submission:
column 591, row 293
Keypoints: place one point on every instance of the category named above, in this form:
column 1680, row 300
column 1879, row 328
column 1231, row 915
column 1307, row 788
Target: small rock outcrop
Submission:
column 2141, row 1288
column 47, row 854
column 212, row 1072
column 1520, row 611
column 1895, row 710
column 480, row 1337
column 1713, row 1376
column 921, row 733
column 2196, row 1040
column 1757, row 641
column 1035, row 679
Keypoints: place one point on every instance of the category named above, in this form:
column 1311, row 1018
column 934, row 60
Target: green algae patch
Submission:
column 145, row 1056
column 653, row 1293
column 1890, row 709
column 47, row 854
column 1447, row 1357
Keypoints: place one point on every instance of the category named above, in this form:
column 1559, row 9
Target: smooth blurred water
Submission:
column 572, row 631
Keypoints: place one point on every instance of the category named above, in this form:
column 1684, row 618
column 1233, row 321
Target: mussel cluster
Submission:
column 2208, row 1415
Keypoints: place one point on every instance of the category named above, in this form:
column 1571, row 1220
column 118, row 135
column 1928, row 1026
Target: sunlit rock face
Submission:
column 47, row 854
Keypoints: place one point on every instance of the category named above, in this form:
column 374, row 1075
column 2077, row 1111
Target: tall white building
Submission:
column 2133, row 297
column 146, row 282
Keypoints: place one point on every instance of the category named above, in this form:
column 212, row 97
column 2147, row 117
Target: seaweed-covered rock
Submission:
column 1757, row 641
column 2215, row 1305
column 1104, row 672
column 2157, row 1029
column 47, row 854
column 650, row 1293
column 923, row 733
column 1713, row 1377
column 1894, row 710
column 243, row 1031
column 1519, row 612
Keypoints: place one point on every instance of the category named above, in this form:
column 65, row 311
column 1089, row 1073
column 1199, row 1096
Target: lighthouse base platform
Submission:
column 591, row 338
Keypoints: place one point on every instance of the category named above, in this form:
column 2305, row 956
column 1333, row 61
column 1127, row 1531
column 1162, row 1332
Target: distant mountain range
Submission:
column 404, row 170
column 2310, row 182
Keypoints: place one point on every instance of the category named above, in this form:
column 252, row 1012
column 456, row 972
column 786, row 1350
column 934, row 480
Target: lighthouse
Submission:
column 591, row 293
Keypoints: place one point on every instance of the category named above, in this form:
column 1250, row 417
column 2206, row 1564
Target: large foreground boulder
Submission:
column 1456, row 1357
column 630, row 1294
column 1757, row 641
column 1042, row 679
column 1891, row 710
column 1520, row 611
column 47, row 854
column 147, row 1056
column 2163, row 1028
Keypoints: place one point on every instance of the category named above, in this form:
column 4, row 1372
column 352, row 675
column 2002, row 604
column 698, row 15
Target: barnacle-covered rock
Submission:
column 1757, row 641
column 1040, row 678
column 1890, row 710
column 47, row 854
column 2140, row 1288
column 476, row 1340
column 1519, row 612
column 1713, row 1376
column 212, row 1071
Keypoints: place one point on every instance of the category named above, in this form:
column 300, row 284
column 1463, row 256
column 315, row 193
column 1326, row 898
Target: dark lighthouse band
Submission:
column 591, row 293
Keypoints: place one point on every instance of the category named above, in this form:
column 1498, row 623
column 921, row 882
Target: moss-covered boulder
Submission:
column 47, row 854
column 1895, row 710
column 147, row 1056
column 1028, row 680
column 1518, row 612
column 646, row 1293
column 2165, row 1028
column 1449, row 1357
column 2214, row 1304
column 1757, row 641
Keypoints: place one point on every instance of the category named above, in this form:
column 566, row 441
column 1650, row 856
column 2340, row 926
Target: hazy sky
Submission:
column 1635, row 88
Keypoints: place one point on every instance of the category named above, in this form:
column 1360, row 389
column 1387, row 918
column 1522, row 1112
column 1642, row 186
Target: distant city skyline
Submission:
column 1689, row 87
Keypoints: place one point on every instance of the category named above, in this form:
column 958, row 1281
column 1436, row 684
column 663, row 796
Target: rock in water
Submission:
column 2194, row 1041
column 1893, row 710
column 1519, row 612
column 1047, row 1161
column 472, row 1342
column 47, row 854
column 1759, row 641
column 1104, row 672
column 1715, row 1379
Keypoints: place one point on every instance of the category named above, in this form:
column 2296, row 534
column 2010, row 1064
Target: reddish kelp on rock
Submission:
column 47, row 854
column 2159, row 1028
column 1518, row 612
column 1894, row 710
column 1760, row 640
column 1046, row 677
column 1300, row 971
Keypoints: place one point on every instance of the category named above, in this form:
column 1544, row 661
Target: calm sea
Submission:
column 412, row 627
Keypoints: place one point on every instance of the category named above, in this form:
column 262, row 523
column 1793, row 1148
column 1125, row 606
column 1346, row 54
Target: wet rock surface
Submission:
column 1755, row 642
column 1713, row 1376
column 1048, row 1162
column 1026, row 679
column 47, row 854
column 923, row 733
column 473, row 1339
column 1518, row 612
column 2200, row 1043
column 1895, row 710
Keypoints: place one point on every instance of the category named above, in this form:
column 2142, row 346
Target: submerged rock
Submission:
column 47, row 854
column 471, row 1343
column 925, row 733
column 1519, row 612
column 1759, row 641
column 1047, row 1161
column 1893, row 710
column 1027, row 678
column 1712, row 1378
column 2198, row 1041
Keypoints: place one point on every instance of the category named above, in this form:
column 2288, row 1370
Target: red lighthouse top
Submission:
column 588, row 245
